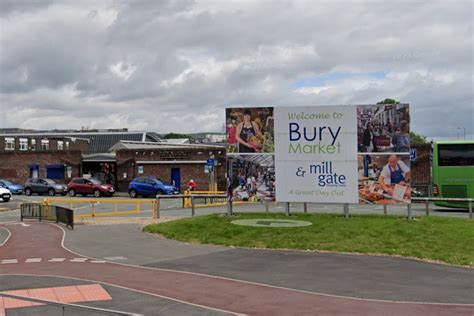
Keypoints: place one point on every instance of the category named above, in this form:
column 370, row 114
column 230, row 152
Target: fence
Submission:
column 47, row 212
column 89, row 206
column 88, row 309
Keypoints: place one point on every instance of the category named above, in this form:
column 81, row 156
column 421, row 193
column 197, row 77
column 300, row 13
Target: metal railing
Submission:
column 192, row 200
column 64, row 306
column 427, row 200
column 91, row 206
column 47, row 212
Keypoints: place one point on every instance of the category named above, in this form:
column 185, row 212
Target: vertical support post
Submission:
column 93, row 209
column 470, row 209
column 427, row 207
column 157, row 209
column 409, row 211
column 287, row 208
column 230, row 211
column 346, row 210
column 305, row 207
column 267, row 209
column 192, row 206
column 385, row 209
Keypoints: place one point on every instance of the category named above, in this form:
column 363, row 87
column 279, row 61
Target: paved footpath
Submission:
column 44, row 241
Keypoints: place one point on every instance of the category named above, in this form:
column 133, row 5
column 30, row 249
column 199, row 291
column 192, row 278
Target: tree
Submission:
column 416, row 139
column 388, row 101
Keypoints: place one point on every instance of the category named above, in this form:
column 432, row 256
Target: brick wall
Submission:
column 127, row 164
column 14, row 166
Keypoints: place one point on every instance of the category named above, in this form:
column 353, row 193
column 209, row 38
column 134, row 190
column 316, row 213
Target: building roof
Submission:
column 99, row 141
column 133, row 145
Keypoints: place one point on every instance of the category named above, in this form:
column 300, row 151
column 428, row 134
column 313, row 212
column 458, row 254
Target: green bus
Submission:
column 453, row 171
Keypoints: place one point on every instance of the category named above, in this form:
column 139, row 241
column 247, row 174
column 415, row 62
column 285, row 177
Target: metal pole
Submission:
column 385, row 209
column 287, row 208
column 305, row 207
column 266, row 207
column 157, row 215
column 409, row 210
column 427, row 207
column 470, row 209
column 229, row 207
column 192, row 206
column 346, row 210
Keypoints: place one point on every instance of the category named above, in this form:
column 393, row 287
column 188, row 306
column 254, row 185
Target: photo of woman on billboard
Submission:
column 249, row 130
column 246, row 134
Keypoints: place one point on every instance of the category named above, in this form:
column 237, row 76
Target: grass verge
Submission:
column 444, row 239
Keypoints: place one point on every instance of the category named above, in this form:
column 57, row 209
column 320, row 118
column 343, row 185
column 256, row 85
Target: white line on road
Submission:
column 98, row 261
column 7, row 261
column 78, row 260
column 33, row 260
column 57, row 259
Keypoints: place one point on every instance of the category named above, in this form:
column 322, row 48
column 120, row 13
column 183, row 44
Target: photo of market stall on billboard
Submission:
column 251, row 177
column 383, row 128
column 384, row 179
column 250, row 130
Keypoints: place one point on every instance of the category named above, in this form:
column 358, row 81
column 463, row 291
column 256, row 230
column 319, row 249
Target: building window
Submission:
column 60, row 145
column 33, row 144
column 45, row 144
column 67, row 145
column 23, row 144
column 9, row 143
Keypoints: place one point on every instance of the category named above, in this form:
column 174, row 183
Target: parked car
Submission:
column 14, row 188
column 44, row 186
column 5, row 194
column 92, row 186
column 150, row 186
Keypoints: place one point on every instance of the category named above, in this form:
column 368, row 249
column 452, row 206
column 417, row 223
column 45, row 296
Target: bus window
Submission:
column 455, row 155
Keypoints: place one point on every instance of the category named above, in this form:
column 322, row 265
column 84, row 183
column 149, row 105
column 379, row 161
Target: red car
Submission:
column 85, row 186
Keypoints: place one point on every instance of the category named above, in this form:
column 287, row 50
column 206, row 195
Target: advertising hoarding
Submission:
column 325, row 154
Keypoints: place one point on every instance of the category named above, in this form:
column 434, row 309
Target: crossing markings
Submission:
column 33, row 260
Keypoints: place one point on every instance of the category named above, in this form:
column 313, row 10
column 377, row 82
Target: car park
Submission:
column 14, row 188
column 86, row 186
column 150, row 186
column 5, row 194
column 44, row 186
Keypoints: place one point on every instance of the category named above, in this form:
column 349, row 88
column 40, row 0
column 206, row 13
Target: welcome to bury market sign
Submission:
column 328, row 154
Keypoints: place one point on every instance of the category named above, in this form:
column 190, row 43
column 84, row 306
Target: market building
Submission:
column 173, row 163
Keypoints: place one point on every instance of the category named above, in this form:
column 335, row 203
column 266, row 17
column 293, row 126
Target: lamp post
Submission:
column 464, row 132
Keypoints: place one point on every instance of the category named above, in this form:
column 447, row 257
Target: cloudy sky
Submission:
column 175, row 65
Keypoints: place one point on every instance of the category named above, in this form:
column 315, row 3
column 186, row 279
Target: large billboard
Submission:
column 327, row 154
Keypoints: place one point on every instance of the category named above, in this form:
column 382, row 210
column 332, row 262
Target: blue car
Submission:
column 150, row 186
column 13, row 187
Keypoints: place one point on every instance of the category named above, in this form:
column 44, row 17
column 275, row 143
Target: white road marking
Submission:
column 33, row 260
column 78, row 260
column 7, row 261
column 98, row 261
column 57, row 259
column 116, row 258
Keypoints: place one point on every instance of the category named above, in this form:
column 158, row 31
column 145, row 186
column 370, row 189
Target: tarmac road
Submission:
column 206, row 291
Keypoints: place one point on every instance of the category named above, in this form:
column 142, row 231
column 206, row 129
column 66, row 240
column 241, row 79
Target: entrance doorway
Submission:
column 176, row 177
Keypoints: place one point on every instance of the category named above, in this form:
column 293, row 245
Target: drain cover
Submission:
column 268, row 222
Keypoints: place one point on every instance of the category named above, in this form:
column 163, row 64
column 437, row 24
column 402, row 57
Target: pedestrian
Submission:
column 191, row 185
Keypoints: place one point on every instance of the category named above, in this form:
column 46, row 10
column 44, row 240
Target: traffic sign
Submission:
column 211, row 162
column 413, row 154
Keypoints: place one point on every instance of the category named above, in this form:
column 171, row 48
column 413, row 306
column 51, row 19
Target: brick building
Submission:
column 171, row 163
column 23, row 157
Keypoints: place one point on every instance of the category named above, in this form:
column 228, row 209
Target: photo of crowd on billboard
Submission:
column 250, row 130
column 251, row 177
column 383, row 128
column 384, row 179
